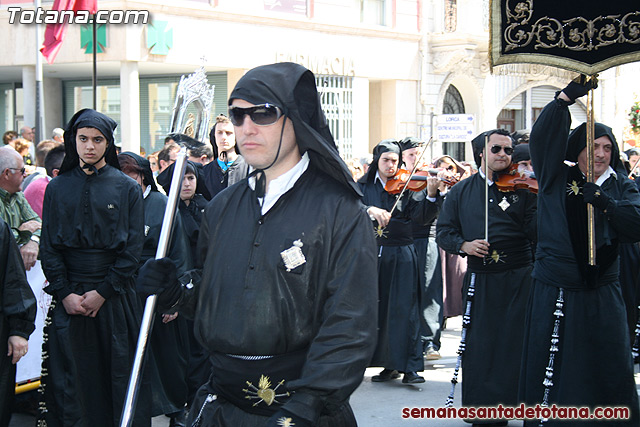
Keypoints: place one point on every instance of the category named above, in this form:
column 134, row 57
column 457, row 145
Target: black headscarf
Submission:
column 578, row 142
column 147, row 174
column 214, row 145
column 410, row 142
column 384, row 146
column 164, row 179
column 293, row 88
column 88, row 118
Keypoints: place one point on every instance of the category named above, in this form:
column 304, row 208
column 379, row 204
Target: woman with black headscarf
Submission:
column 92, row 240
column 576, row 349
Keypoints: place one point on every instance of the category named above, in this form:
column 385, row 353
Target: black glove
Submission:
column 592, row 193
column 159, row 277
column 286, row 418
column 575, row 90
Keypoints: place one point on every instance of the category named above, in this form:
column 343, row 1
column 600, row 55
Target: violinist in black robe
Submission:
column 399, row 346
column 17, row 316
column 577, row 349
column 92, row 238
column 285, row 300
column 499, row 267
column 168, row 358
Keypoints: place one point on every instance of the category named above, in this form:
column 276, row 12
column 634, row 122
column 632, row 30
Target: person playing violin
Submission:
column 499, row 270
column 399, row 348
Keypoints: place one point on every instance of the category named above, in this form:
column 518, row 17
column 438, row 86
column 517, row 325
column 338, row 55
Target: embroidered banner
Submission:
column 587, row 36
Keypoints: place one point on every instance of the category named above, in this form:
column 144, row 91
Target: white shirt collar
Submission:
column 482, row 175
column 280, row 185
column 606, row 176
column 146, row 192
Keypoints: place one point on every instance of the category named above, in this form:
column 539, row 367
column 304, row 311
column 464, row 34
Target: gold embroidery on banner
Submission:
column 576, row 34
column 264, row 392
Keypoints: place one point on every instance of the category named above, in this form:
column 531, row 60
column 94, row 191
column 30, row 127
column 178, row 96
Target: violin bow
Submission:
column 380, row 229
column 634, row 168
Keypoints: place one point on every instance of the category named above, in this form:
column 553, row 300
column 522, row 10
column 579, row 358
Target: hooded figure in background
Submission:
column 578, row 307
column 286, row 271
column 399, row 348
column 168, row 343
column 92, row 238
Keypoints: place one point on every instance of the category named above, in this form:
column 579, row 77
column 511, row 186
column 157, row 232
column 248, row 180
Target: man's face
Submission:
column 91, row 145
column 188, row 189
column 259, row 144
column 173, row 155
column 498, row 161
column 633, row 159
column 409, row 157
column 13, row 177
column 388, row 164
column 601, row 156
column 225, row 137
column 28, row 133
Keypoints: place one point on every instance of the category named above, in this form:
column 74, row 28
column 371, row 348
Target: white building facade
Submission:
column 385, row 68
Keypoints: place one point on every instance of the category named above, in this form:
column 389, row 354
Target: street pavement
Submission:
column 381, row 404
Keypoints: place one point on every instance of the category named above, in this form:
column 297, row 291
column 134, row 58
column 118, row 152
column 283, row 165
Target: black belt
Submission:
column 256, row 384
column 88, row 265
column 502, row 258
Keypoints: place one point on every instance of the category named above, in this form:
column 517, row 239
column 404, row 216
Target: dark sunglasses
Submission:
column 22, row 171
column 507, row 150
column 261, row 115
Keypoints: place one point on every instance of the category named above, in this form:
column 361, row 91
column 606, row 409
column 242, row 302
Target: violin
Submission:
column 517, row 177
column 418, row 181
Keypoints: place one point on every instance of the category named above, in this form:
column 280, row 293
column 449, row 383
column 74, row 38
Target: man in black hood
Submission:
column 286, row 306
column 92, row 240
column 574, row 306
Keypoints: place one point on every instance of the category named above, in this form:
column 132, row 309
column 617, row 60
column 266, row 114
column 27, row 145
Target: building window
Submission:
column 450, row 15
column 453, row 104
column 336, row 98
column 373, row 12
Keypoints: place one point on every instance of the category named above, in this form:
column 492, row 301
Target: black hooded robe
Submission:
column 593, row 366
column 399, row 285
column 491, row 361
column 17, row 314
column 92, row 238
column 168, row 343
column 318, row 319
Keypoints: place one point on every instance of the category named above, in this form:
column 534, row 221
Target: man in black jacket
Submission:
column 286, row 303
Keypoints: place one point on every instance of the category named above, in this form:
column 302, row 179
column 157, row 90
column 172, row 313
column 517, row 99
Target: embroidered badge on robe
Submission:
column 504, row 205
column 264, row 392
column 293, row 257
column 573, row 188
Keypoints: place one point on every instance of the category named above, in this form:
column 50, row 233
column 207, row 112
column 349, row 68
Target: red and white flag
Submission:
column 54, row 33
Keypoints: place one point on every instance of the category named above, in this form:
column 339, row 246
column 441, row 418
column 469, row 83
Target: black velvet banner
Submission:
column 587, row 36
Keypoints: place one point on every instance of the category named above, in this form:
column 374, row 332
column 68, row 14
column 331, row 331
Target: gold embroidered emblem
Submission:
column 285, row 422
column 573, row 188
column 264, row 392
column 495, row 257
column 293, row 257
column 381, row 232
